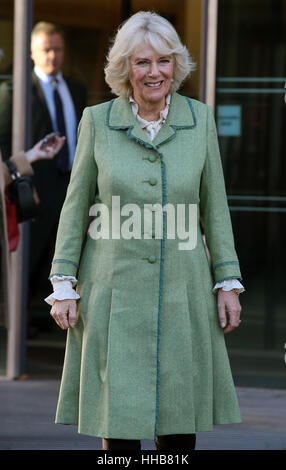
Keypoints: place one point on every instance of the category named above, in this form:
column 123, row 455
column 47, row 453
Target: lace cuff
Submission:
column 63, row 289
column 63, row 277
column 229, row 284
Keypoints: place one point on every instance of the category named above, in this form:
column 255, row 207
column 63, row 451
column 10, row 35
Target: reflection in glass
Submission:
column 251, row 119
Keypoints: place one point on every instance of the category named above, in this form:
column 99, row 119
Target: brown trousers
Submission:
column 178, row 442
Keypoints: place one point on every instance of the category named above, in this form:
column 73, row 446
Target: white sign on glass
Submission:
column 229, row 120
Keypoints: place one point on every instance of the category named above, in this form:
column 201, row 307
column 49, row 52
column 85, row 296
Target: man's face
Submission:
column 47, row 52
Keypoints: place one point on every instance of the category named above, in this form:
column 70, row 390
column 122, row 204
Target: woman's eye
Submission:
column 146, row 62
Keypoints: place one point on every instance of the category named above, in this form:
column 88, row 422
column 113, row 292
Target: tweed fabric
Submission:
column 147, row 356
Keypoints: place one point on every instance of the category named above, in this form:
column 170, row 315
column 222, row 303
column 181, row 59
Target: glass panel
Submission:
column 6, row 64
column 251, row 120
column 88, row 27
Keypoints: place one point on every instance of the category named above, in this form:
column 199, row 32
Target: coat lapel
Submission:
column 78, row 95
column 181, row 116
column 120, row 117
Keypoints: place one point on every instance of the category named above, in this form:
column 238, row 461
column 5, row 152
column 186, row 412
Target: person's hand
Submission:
column 64, row 313
column 47, row 152
column 229, row 309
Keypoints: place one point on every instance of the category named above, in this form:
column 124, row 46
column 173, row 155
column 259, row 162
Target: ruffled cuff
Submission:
column 63, row 290
column 63, row 277
column 229, row 284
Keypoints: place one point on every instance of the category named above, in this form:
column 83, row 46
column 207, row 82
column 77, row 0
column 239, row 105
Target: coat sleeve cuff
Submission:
column 226, row 270
column 63, row 267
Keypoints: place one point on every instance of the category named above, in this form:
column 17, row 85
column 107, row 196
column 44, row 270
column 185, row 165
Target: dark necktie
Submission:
column 62, row 158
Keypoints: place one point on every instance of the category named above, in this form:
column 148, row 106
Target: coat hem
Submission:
column 200, row 428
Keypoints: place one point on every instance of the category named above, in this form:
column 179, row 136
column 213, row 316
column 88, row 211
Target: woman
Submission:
column 145, row 355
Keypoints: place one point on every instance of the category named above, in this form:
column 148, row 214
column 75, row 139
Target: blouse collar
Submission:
column 143, row 122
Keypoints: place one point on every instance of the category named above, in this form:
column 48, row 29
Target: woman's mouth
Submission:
column 154, row 84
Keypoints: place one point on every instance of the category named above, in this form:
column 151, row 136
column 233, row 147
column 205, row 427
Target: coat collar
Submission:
column 181, row 116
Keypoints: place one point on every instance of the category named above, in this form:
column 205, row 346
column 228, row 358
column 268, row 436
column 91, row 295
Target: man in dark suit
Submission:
column 57, row 105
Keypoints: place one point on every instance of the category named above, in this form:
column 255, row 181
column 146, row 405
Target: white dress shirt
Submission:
column 68, row 107
column 63, row 285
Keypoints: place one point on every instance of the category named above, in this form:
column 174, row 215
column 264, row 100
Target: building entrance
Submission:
column 251, row 120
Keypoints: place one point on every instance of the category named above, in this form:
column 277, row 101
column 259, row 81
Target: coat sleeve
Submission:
column 214, row 210
column 80, row 196
column 22, row 165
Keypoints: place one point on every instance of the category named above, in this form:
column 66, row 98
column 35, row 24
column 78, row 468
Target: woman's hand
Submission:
column 64, row 313
column 48, row 151
column 229, row 309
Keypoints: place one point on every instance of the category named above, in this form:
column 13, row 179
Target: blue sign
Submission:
column 229, row 120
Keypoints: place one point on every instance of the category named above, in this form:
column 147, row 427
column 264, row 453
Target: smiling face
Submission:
column 47, row 52
column 150, row 76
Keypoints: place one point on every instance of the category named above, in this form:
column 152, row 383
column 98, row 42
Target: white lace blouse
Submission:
column 63, row 286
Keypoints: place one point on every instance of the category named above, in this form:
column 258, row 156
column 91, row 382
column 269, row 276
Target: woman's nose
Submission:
column 154, row 70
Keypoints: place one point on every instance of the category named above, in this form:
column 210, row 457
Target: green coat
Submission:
column 147, row 356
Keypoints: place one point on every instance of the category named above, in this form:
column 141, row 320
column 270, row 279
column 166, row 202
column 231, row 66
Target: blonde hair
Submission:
column 153, row 30
column 46, row 28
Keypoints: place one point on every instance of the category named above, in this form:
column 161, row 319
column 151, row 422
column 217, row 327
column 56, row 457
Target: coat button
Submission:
column 152, row 158
column 152, row 259
column 153, row 181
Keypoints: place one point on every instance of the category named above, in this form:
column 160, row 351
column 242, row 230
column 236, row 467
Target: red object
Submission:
column 12, row 224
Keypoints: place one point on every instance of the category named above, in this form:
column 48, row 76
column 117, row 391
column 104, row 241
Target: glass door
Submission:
column 251, row 120
column 6, row 77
